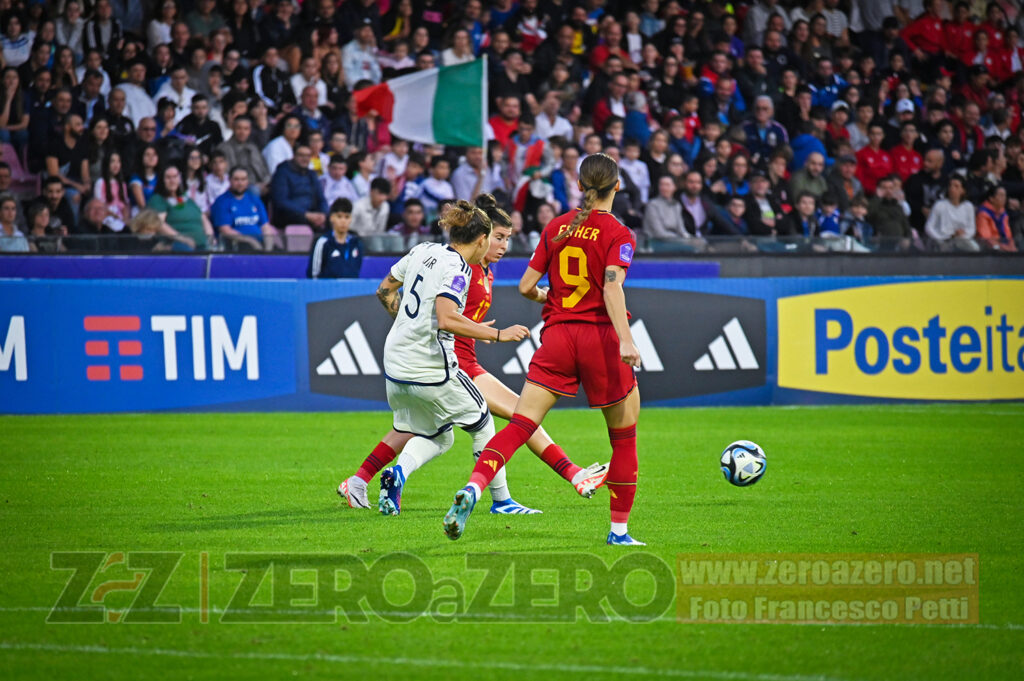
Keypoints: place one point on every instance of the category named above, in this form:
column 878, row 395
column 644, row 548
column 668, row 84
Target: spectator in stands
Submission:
column 65, row 158
column 239, row 217
column 62, row 218
column 873, row 163
column 12, row 240
column 436, row 187
column 549, row 122
column 338, row 253
column 843, row 182
column 757, row 20
column 177, row 91
column 887, row 217
column 139, row 104
column 111, row 188
column 663, row 215
column 282, row 147
column 296, row 193
column 925, row 187
column 414, row 222
column 198, row 128
column 180, row 214
column 14, row 116
column 241, row 152
column 334, row 182
column 359, row 57
column 993, row 222
column 370, row 213
column 700, row 215
column 801, row 221
column 764, row 133
column 811, row 178
column 763, row 211
column 471, row 177
column 951, row 221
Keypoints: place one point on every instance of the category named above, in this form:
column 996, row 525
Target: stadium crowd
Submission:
column 855, row 125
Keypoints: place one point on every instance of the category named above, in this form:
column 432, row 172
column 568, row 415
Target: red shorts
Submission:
column 468, row 363
column 571, row 353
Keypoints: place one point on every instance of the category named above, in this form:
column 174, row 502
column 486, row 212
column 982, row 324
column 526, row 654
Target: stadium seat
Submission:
column 298, row 238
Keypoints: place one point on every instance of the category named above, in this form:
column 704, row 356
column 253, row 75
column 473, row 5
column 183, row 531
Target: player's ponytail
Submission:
column 488, row 204
column 466, row 223
column 598, row 175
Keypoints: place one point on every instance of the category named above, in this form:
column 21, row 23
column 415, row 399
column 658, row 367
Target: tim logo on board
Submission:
column 932, row 340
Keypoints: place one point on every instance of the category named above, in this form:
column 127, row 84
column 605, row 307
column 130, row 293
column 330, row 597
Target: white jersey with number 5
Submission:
column 416, row 351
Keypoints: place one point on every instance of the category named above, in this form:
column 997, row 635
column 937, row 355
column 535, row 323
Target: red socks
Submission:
column 622, row 472
column 554, row 456
column 381, row 456
column 501, row 448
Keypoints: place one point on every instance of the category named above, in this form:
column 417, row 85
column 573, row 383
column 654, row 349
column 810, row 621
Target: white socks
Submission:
column 420, row 450
column 619, row 528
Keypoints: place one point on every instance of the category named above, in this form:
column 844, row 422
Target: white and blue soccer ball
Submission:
column 743, row 463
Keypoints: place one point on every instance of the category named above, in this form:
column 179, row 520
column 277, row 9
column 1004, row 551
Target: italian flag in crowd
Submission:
column 446, row 105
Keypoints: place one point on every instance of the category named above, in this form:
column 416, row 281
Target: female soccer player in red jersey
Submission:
column 586, row 338
column 500, row 399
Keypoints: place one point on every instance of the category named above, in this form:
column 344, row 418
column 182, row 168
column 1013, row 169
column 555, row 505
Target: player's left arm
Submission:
column 615, row 304
column 390, row 295
column 528, row 286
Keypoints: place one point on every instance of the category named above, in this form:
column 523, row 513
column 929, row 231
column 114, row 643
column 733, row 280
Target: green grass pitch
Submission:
column 885, row 479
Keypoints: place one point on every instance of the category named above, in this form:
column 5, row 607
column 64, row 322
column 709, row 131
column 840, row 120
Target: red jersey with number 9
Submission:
column 575, row 266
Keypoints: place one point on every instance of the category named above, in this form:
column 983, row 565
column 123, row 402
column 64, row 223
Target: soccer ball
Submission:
column 743, row 463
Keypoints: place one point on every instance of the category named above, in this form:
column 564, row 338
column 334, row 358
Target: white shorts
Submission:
column 430, row 410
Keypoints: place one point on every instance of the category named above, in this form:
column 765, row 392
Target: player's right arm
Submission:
column 390, row 295
column 528, row 286
column 615, row 304
column 450, row 319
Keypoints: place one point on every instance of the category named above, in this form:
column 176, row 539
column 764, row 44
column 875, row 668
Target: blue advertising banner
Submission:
column 259, row 345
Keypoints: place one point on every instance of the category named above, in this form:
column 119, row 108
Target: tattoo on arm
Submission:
column 389, row 297
column 610, row 276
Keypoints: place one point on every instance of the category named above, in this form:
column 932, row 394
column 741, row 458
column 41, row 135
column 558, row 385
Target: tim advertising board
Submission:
column 88, row 347
column 932, row 340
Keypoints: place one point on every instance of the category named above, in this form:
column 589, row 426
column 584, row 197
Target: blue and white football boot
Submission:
column 512, row 507
column 456, row 517
column 623, row 540
column 391, row 481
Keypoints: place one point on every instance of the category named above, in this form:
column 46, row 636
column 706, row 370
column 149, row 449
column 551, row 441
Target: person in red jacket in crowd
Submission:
column 905, row 159
column 972, row 137
column 924, row 35
column 995, row 23
column 611, row 43
column 612, row 105
column 991, row 54
column 976, row 88
column 959, row 33
column 506, row 121
column 873, row 162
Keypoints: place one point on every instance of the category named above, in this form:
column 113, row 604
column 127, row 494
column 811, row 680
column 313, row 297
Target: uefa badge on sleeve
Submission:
column 459, row 284
column 626, row 253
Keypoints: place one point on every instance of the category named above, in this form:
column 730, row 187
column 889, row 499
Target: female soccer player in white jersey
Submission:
column 500, row 399
column 426, row 390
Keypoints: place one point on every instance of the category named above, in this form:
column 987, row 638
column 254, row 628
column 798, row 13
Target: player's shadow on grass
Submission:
column 265, row 518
